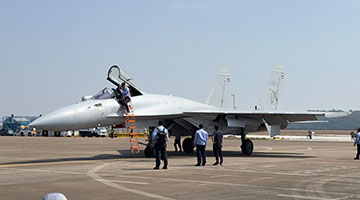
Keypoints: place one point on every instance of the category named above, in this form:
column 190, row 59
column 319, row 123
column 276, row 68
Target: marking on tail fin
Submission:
column 218, row 95
column 270, row 97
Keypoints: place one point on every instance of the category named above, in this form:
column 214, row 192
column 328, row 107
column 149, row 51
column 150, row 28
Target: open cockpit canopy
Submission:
column 118, row 76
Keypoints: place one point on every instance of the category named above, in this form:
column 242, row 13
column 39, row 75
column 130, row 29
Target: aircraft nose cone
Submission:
column 63, row 118
column 36, row 123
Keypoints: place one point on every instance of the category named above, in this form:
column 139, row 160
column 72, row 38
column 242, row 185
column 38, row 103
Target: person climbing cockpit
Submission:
column 122, row 94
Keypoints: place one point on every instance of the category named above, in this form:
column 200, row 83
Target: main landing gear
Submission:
column 247, row 146
column 149, row 151
column 188, row 145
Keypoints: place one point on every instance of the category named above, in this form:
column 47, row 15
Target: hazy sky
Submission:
column 54, row 52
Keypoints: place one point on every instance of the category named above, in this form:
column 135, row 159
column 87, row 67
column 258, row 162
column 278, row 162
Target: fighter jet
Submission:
column 181, row 116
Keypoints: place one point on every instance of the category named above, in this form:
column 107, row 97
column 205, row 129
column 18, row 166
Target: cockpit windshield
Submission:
column 106, row 93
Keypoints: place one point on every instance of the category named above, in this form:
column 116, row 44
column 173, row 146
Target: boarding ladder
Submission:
column 130, row 123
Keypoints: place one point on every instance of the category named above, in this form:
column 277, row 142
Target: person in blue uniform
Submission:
column 125, row 97
column 177, row 143
column 122, row 95
column 201, row 138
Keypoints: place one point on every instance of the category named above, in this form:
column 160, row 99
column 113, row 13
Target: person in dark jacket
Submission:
column 357, row 143
column 217, row 145
column 160, row 137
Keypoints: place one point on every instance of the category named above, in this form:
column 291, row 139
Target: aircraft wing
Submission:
column 271, row 117
column 273, row 120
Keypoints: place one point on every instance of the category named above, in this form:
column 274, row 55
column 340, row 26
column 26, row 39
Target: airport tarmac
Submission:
column 103, row 168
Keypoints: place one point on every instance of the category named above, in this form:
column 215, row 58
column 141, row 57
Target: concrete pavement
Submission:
column 104, row 168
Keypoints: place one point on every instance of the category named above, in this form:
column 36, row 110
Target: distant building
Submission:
column 16, row 122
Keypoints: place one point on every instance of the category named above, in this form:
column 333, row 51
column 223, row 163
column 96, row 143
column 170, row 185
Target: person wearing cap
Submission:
column 200, row 141
column 160, row 137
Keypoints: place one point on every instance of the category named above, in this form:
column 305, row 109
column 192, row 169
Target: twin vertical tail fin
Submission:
column 270, row 98
column 219, row 94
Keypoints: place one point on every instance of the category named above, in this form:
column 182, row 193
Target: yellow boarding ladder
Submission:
column 130, row 123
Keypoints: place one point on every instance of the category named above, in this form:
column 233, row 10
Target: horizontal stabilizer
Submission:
column 330, row 115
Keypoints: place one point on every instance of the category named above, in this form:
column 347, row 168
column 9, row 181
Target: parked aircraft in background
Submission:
column 181, row 116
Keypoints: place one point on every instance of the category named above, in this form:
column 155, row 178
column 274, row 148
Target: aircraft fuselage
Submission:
column 93, row 113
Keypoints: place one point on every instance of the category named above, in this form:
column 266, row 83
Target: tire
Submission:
column 247, row 147
column 149, row 152
column 188, row 145
column 45, row 133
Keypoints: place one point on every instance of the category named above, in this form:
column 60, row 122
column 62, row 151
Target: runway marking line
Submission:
column 99, row 177
column 305, row 197
column 204, row 182
column 92, row 173
column 131, row 182
column 60, row 162
column 231, row 184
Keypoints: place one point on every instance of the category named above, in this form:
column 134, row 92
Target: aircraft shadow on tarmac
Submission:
column 209, row 153
column 171, row 155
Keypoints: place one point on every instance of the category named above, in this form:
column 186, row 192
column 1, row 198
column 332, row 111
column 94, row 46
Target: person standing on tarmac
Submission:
column 160, row 137
column 357, row 141
column 201, row 138
column 217, row 145
column 177, row 142
column 112, row 132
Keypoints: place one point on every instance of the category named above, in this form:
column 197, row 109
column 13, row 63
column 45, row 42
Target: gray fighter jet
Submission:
column 181, row 116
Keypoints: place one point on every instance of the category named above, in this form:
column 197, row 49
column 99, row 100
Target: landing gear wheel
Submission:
column 188, row 145
column 247, row 147
column 149, row 152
